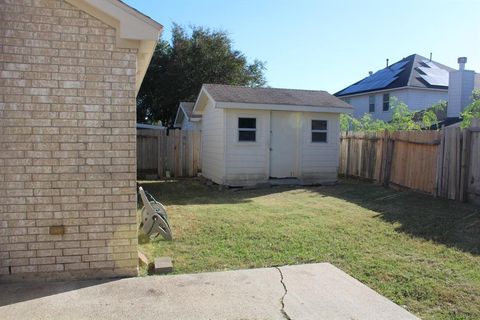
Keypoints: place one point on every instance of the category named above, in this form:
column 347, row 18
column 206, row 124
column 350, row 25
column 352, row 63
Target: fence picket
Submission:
column 177, row 152
column 441, row 163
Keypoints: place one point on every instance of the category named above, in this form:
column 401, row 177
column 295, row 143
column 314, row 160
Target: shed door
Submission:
column 283, row 145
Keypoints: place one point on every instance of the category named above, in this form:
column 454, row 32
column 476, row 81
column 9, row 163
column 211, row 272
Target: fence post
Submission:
column 159, row 154
column 466, row 146
column 390, row 143
column 440, row 162
column 347, row 160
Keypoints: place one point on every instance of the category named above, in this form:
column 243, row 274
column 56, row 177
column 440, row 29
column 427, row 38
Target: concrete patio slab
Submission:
column 322, row 291
column 315, row 291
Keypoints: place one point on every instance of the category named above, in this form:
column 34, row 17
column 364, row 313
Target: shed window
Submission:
column 319, row 130
column 386, row 102
column 247, row 129
column 371, row 104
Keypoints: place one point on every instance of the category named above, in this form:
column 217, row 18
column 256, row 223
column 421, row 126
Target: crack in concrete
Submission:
column 282, row 302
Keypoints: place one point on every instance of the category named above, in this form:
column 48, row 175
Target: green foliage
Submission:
column 178, row 70
column 472, row 111
column 365, row 124
column 430, row 116
column 402, row 119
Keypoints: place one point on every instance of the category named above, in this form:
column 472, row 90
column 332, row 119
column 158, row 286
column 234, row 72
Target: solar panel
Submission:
column 430, row 71
column 435, row 80
column 430, row 64
column 398, row 65
column 432, row 74
column 378, row 80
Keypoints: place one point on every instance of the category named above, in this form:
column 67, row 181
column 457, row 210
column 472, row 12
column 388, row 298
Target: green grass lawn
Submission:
column 422, row 253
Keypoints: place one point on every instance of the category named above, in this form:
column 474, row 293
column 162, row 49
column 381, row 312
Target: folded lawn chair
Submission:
column 154, row 217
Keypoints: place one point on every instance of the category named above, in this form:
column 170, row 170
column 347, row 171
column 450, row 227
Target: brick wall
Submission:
column 67, row 144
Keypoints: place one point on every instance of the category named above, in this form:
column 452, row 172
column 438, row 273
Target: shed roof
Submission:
column 188, row 109
column 273, row 96
column 185, row 109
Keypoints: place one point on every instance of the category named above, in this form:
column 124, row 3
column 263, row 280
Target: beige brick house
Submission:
column 69, row 74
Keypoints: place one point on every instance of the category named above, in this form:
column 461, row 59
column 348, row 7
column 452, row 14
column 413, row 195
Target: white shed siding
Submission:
column 319, row 160
column 416, row 99
column 247, row 162
column 213, row 138
column 190, row 125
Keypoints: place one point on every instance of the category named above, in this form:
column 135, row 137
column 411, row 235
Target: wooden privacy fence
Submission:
column 442, row 163
column 175, row 152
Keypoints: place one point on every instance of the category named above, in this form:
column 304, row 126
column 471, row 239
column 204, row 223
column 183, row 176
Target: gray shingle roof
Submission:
column 188, row 107
column 239, row 94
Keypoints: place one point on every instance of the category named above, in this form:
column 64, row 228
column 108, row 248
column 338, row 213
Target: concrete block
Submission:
column 163, row 265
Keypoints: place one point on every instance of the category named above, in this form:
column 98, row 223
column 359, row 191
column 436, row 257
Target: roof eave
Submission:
column 134, row 30
column 283, row 107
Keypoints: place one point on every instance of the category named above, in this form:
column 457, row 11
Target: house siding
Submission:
column 416, row 99
column 67, row 137
column 247, row 162
column 319, row 160
column 213, row 137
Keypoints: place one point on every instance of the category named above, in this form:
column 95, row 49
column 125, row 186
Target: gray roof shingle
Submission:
column 188, row 107
column 293, row 97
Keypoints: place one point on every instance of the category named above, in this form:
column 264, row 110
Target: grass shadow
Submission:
column 443, row 221
column 196, row 192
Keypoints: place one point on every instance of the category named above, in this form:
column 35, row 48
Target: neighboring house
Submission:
column 250, row 135
column 461, row 85
column 414, row 80
column 185, row 119
column 69, row 76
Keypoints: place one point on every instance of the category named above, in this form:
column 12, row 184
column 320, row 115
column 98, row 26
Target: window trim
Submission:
column 246, row 129
column 312, row 131
column 386, row 102
column 370, row 104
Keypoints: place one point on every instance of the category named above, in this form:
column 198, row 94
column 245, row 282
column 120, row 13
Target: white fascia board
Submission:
column 201, row 102
column 178, row 117
column 144, row 56
column 281, row 107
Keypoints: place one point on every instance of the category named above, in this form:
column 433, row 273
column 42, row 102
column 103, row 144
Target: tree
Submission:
column 472, row 111
column 178, row 70
column 402, row 119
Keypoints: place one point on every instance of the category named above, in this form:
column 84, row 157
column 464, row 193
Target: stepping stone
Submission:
column 163, row 265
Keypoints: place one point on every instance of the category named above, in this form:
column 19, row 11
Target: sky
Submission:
column 328, row 45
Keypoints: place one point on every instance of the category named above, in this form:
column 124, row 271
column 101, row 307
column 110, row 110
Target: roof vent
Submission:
column 387, row 62
column 370, row 73
column 461, row 62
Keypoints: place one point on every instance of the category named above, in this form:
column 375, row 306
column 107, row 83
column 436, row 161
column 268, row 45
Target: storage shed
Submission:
column 185, row 120
column 252, row 135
